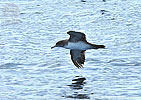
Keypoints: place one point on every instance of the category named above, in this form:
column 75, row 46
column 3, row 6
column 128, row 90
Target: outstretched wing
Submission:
column 76, row 36
column 78, row 57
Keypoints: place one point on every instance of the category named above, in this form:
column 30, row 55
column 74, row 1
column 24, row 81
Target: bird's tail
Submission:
column 97, row 46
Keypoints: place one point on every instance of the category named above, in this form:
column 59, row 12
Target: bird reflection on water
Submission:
column 78, row 84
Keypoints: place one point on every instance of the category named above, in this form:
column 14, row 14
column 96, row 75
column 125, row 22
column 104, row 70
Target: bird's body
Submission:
column 80, row 45
column 77, row 44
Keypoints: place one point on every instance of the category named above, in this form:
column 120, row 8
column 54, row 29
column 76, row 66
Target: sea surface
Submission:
column 31, row 70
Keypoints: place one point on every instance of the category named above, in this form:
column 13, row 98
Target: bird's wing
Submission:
column 76, row 36
column 78, row 57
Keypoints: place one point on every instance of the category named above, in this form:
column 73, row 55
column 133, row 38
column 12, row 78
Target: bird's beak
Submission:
column 53, row 47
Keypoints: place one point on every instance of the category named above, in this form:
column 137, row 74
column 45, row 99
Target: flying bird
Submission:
column 77, row 44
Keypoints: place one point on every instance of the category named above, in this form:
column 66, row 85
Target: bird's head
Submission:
column 59, row 44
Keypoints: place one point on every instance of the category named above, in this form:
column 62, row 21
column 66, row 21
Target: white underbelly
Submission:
column 77, row 46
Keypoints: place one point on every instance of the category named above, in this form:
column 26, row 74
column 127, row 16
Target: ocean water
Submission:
column 31, row 70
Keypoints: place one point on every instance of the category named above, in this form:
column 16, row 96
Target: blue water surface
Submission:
column 31, row 70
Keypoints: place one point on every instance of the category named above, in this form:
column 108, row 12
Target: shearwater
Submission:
column 77, row 44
